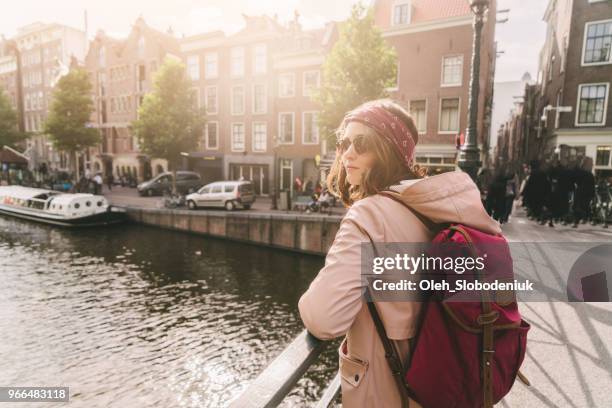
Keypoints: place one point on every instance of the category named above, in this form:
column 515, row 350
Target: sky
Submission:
column 521, row 37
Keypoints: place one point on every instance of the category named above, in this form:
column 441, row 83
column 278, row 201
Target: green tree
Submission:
column 9, row 133
column 168, row 121
column 359, row 68
column 70, row 112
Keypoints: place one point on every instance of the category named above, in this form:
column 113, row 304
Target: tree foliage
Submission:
column 70, row 112
column 359, row 68
column 9, row 133
column 168, row 121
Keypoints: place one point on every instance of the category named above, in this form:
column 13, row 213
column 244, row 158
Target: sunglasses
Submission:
column 360, row 144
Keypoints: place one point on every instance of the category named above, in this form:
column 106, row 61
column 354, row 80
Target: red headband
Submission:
column 387, row 125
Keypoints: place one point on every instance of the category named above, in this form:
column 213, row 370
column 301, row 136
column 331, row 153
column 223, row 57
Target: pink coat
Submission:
column 332, row 306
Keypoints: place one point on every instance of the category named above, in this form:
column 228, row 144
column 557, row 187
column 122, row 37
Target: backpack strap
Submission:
column 486, row 320
column 391, row 354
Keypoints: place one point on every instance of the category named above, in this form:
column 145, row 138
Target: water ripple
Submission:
column 132, row 316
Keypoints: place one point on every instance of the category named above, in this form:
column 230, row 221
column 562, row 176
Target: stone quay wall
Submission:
column 312, row 234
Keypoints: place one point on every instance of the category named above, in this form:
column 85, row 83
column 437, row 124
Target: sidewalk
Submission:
column 569, row 354
column 129, row 197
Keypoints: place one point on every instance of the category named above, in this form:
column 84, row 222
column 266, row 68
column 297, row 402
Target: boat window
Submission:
column 77, row 205
column 99, row 203
column 61, row 207
column 88, row 203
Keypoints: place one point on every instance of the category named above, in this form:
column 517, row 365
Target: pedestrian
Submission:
column 510, row 192
column 297, row 185
column 483, row 181
column 109, row 181
column 585, row 191
column 308, row 189
column 496, row 196
column 375, row 151
column 561, row 185
column 98, row 184
column 537, row 189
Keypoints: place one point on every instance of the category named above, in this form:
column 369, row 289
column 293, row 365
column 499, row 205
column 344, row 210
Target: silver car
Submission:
column 227, row 194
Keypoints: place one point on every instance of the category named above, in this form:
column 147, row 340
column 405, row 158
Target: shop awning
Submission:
column 12, row 156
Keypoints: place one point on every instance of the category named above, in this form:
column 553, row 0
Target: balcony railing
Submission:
column 278, row 379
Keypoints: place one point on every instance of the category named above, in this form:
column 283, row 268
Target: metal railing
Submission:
column 280, row 376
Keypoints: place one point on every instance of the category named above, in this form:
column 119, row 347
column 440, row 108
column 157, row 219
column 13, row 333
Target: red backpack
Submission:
column 465, row 354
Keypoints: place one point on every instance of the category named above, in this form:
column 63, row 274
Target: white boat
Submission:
column 53, row 207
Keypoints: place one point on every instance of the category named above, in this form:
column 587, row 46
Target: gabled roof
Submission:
column 259, row 25
column 425, row 10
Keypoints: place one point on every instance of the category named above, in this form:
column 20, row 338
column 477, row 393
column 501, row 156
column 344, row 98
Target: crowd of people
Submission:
column 552, row 192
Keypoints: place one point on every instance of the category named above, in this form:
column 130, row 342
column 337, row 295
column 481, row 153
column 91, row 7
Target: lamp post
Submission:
column 469, row 154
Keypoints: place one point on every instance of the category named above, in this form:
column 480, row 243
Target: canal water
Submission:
column 132, row 316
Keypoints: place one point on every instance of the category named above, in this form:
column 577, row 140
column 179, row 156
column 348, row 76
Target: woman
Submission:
column 585, row 191
column 375, row 152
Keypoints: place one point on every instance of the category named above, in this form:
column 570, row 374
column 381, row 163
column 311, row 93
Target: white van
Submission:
column 227, row 194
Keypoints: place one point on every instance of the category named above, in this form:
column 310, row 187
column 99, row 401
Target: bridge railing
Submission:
column 280, row 376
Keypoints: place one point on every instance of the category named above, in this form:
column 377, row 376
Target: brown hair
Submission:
column 388, row 169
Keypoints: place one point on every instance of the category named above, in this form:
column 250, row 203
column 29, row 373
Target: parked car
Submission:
column 186, row 182
column 226, row 194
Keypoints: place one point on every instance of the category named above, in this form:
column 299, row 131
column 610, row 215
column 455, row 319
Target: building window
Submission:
column 401, row 13
column 212, row 135
column 592, row 103
column 212, row 103
column 194, row 95
column 193, row 67
column 237, row 61
column 141, row 47
column 603, row 156
column 211, row 65
column 418, row 111
column 452, row 70
column 550, row 68
column 310, row 82
column 101, row 57
column 310, row 128
column 449, row 115
column 285, row 127
column 259, row 136
column 597, row 43
column 260, row 59
column 557, row 113
column 238, row 137
column 286, row 85
column 563, row 55
column 238, row 100
column 259, row 99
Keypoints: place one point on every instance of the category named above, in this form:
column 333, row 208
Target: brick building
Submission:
column 433, row 40
column 575, row 75
column 47, row 51
column 8, row 72
column 121, row 73
column 255, row 86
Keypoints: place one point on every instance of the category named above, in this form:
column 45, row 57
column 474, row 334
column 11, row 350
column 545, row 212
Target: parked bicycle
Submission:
column 171, row 200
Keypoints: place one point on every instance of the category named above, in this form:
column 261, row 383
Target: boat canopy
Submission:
column 25, row 193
